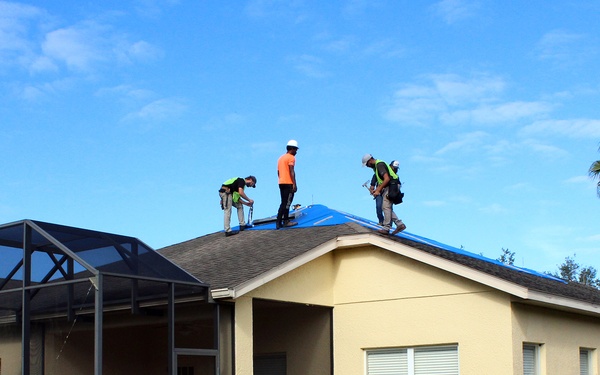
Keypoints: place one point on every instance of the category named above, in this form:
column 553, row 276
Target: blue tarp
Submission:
column 319, row 215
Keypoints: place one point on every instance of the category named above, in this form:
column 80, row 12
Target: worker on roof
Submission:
column 232, row 194
column 287, row 184
column 385, row 175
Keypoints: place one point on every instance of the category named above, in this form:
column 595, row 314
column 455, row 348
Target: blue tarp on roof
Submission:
column 319, row 215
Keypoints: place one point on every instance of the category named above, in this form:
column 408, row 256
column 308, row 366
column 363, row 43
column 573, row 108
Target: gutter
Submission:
column 222, row 293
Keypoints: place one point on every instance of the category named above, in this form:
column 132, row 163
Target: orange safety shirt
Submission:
column 283, row 168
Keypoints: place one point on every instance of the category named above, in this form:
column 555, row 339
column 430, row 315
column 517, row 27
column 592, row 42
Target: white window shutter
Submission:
column 584, row 362
column 441, row 360
column 387, row 362
column 529, row 359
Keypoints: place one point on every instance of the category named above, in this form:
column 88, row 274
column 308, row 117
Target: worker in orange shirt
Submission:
column 287, row 184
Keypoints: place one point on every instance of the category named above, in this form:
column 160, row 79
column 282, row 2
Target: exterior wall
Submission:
column 132, row 344
column 126, row 350
column 244, row 347
column 302, row 333
column 311, row 283
column 384, row 300
column 10, row 349
column 561, row 334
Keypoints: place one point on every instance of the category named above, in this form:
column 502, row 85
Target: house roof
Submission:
column 237, row 264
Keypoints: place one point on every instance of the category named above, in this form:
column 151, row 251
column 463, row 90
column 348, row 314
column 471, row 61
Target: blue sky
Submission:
column 126, row 116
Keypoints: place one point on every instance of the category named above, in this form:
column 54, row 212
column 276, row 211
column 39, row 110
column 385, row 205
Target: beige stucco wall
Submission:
column 309, row 284
column 10, row 349
column 386, row 300
column 244, row 347
column 302, row 332
column 561, row 334
column 381, row 299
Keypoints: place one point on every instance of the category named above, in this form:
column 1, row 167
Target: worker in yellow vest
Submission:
column 232, row 195
column 384, row 174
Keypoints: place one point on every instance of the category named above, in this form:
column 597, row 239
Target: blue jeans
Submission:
column 378, row 208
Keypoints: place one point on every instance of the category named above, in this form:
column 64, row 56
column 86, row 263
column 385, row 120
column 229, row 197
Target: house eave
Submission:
column 365, row 239
column 567, row 304
column 223, row 293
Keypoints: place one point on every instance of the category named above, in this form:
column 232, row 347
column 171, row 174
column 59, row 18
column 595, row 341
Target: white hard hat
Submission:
column 366, row 158
column 293, row 143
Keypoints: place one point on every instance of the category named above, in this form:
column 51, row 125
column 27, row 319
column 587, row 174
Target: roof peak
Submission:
column 318, row 215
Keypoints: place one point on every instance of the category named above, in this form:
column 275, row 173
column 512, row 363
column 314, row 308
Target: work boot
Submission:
column 231, row 233
column 383, row 231
column 399, row 229
column 290, row 223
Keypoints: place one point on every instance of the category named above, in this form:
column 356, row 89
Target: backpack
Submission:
column 394, row 193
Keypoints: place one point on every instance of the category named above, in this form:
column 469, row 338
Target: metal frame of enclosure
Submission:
column 48, row 271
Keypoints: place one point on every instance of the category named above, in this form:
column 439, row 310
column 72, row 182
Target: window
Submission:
column 585, row 357
column 274, row 364
column 531, row 358
column 429, row 360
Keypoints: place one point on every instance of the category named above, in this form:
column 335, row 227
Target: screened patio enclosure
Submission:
column 62, row 287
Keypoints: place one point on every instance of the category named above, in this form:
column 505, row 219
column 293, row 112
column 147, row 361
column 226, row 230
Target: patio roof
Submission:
column 50, row 271
column 44, row 257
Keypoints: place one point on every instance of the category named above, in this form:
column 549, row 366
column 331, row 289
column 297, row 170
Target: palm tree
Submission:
column 595, row 173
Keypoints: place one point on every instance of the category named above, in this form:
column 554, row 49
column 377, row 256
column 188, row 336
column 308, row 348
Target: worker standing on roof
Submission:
column 384, row 174
column 232, row 195
column 287, row 184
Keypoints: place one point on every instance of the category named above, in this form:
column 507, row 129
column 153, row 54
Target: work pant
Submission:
column 287, row 196
column 389, row 215
column 378, row 208
column 226, row 203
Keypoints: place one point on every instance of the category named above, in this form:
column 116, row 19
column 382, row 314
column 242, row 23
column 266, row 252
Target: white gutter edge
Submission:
column 222, row 293
column 550, row 299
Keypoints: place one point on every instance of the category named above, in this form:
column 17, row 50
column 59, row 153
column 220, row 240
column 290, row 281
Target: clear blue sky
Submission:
column 126, row 116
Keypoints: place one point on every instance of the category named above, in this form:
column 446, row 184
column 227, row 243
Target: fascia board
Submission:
column 570, row 304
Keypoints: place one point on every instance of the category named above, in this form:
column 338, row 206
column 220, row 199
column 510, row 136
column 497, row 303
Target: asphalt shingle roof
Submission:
column 226, row 262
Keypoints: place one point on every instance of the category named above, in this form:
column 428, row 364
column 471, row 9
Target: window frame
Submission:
column 590, row 354
column 410, row 364
column 535, row 350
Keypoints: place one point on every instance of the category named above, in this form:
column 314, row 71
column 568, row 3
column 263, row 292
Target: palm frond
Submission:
column 595, row 169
